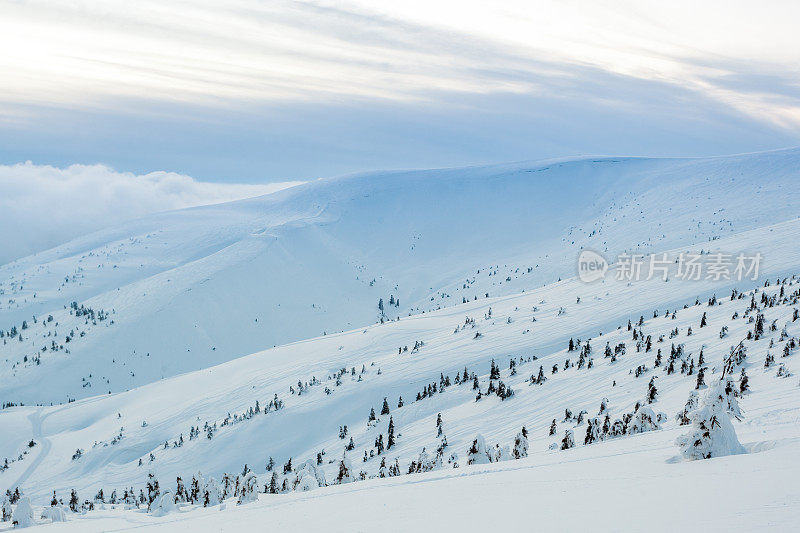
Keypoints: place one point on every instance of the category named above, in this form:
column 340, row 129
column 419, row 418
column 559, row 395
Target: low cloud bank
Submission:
column 43, row 206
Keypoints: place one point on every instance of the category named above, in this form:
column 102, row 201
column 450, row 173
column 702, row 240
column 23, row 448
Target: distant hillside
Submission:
column 185, row 290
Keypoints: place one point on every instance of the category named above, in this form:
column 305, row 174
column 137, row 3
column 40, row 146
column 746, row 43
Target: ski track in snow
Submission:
column 36, row 429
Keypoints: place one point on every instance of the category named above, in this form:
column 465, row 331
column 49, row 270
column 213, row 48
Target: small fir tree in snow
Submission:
column 212, row 495
column 345, row 470
column 712, row 433
column 500, row 453
column 23, row 514
column 249, row 489
column 568, row 441
column 494, row 371
column 274, row 484
column 194, row 491
column 692, row 403
column 74, row 503
column 644, row 419
column 652, row 392
column 744, row 383
column 180, row 491
column 593, row 431
column 477, row 453
column 390, row 435
column 153, row 490
column 7, row 510
column 379, row 443
column 521, row 444
column 701, row 383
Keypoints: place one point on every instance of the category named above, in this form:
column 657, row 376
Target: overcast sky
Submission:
column 272, row 91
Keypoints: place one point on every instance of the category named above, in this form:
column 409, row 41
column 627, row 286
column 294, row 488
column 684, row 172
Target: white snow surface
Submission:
column 189, row 289
column 203, row 274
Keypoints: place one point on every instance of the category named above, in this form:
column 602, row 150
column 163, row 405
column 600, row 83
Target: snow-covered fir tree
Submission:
column 712, row 433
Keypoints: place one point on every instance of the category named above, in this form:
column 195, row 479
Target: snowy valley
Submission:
column 230, row 367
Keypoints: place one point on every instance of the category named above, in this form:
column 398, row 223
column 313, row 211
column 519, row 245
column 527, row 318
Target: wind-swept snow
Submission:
column 417, row 422
column 188, row 289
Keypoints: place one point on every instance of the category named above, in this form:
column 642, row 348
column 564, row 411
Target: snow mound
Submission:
column 54, row 513
column 712, row 433
column 163, row 504
column 23, row 514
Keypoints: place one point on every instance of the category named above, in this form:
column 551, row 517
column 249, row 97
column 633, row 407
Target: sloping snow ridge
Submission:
column 676, row 407
column 189, row 289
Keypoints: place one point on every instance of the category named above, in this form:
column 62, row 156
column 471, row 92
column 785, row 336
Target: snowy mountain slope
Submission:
column 184, row 290
column 585, row 489
column 309, row 422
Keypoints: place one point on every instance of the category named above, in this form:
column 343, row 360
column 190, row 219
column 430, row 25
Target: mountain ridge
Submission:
column 318, row 257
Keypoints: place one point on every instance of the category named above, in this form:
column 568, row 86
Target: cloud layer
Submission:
column 294, row 89
column 43, row 206
column 91, row 54
column 287, row 89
